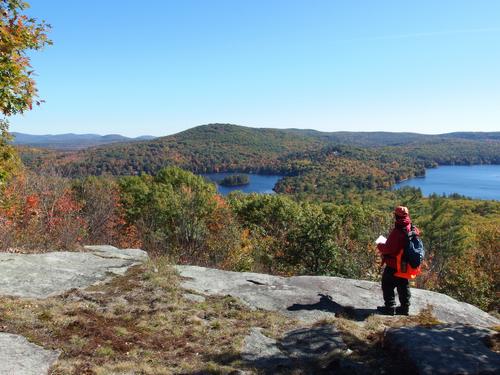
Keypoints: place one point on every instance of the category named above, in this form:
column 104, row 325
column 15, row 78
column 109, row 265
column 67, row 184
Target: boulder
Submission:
column 312, row 298
column 48, row 274
column 20, row 357
column 445, row 349
column 308, row 349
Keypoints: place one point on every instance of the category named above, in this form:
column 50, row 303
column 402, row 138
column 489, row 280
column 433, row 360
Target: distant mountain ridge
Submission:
column 383, row 138
column 71, row 141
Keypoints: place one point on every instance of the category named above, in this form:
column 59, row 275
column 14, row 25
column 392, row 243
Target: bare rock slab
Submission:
column 312, row 343
column 262, row 351
column 445, row 349
column 20, row 357
column 303, row 348
column 312, row 298
column 49, row 274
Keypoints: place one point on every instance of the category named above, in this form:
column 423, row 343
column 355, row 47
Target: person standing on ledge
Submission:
column 391, row 252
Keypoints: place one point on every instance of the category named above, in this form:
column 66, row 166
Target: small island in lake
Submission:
column 235, row 180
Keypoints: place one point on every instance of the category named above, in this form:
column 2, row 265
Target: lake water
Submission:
column 258, row 183
column 475, row 181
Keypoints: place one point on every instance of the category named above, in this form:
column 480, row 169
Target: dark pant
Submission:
column 389, row 282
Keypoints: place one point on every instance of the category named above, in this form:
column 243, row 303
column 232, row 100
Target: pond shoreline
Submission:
column 481, row 181
column 259, row 183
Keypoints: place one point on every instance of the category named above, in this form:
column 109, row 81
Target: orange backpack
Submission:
column 404, row 269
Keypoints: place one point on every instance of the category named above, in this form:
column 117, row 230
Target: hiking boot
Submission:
column 402, row 310
column 386, row 310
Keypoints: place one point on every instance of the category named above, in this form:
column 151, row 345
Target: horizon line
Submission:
column 254, row 127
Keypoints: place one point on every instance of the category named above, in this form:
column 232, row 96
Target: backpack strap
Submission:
column 412, row 233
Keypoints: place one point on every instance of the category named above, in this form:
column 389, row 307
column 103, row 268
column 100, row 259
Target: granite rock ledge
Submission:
column 49, row 274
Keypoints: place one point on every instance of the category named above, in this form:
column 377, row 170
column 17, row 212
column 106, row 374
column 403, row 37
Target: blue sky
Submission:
column 162, row 66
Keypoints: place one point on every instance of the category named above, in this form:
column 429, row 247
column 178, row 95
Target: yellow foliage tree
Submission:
column 19, row 34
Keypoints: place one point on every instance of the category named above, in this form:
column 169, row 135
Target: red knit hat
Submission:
column 401, row 211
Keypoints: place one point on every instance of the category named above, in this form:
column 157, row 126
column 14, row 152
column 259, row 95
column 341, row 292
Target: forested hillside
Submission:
column 343, row 160
column 336, row 169
column 209, row 148
column 374, row 139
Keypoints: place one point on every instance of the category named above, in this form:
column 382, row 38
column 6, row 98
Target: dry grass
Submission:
column 138, row 324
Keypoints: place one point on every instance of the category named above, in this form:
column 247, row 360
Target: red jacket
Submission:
column 395, row 242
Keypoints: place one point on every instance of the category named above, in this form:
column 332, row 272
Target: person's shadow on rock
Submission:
column 326, row 303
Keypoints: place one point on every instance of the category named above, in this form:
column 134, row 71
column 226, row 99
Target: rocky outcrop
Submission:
column 20, row 357
column 49, row 274
column 458, row 347
column 312, row 298
column 45, row 275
